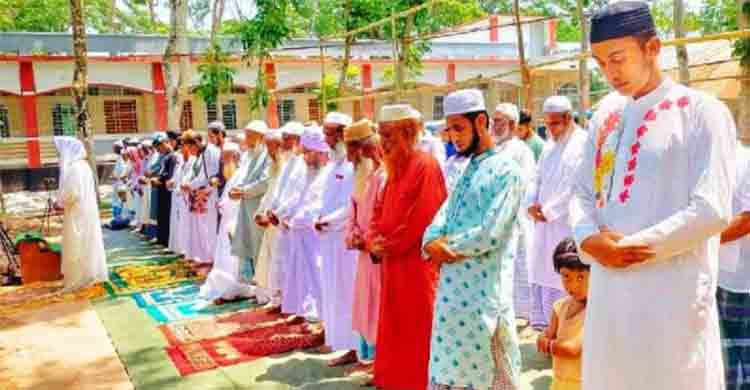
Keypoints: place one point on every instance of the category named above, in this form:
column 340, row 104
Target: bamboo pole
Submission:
column 576, row 57
column 323, row 92
column 736, row 77
column 382, row 22
column 396, row 57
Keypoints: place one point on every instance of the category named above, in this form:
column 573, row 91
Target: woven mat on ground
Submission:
column 33, row 296
column 167, row 296
column 62, row 347
column 192, row 308
column 210, row 354
column 135, row 278
column 224, row 325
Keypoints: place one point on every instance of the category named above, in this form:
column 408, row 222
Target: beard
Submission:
column 472, row 149
column 229, row 170
column 339, row 152
column 362, row 171
column 500, row 137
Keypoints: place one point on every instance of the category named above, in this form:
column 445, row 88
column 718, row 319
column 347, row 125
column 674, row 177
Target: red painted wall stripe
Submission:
column 272, row 115
column 368, row 105
column 28, row 101
column 160, row 96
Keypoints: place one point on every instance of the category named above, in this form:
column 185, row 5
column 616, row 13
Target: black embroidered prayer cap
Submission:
column 621, row 19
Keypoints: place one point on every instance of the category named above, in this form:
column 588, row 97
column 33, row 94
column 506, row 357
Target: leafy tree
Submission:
column 216, row 76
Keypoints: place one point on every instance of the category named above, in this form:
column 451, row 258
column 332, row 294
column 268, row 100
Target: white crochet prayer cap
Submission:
column 463, row 102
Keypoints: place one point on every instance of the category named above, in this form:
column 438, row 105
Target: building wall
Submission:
column 46, row 104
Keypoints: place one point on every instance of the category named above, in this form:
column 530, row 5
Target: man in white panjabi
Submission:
column 267, row 287
column 504, row 123
column 274, row 207
column 302, row 280
column 339, row 267
column 547, row 200
column 203, row 195
column 249, row 191
column 652, row 195
column 83, row 259
column 223, row 282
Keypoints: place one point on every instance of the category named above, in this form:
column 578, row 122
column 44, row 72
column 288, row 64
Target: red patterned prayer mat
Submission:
column 224, row 325
column 243, row 347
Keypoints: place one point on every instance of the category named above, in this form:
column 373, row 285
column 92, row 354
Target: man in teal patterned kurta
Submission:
column 473, row 238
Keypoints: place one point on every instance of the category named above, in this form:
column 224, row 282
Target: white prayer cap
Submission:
column 313, row 139
column 463, row 102
column 293, row 128
column 416, row 114
column 231, row 147
column 217, row 126
column 510, row 110
column 257, row 126
column 557, row 104
column 239, row 136
column 397, row 112
column 147, row 142
column 337, row 118
column 273, row 135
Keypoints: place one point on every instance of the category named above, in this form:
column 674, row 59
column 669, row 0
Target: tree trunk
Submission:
column 152, row 11
column 679, row 32
column 348, row 42
column 584, row 76
column 525, row 74
column 177, row 44
column 743, row 119
column 80, row 85
column 217, row 13
column 403, row 51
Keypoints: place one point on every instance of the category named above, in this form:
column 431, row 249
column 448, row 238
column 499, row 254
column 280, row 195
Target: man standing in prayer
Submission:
column 525, row 131
column 653, row 193
column 504, row 131
column 302, row 293
column 339, row 264
column 268, row 285
column 203, row 192
column 363, row 151
column 733, row 295
column 472, row 240
column 83, row 260
column 178, row 219
column 217, row 135
column 249, row 190
column 547, row 202
column 159, row 182
column 223, row 282
column 286, row 188
column 118, row 181
column 412, row 195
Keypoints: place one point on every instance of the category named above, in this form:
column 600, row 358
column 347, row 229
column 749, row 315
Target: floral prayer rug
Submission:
column 206, row 355
column 225, row 325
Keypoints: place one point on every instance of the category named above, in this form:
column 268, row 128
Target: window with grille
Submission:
column 186, row 118
column 211, row 113
column 437, row 108
column 120, row 116
column 229, row 115
column 313, row 110
column 63, row 119
column 4, row 123
column 285, row 108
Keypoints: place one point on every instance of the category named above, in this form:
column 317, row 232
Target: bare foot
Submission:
column 363, row 367
column 347, row 358
column 323, row 349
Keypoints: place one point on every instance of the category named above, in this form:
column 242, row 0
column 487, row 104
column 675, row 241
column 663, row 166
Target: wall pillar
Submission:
column 160, row 96
column 368, row 104
column 494, row 31
column 28, row 101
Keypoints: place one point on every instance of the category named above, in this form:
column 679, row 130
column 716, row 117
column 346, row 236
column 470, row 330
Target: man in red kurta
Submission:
column 412, row 195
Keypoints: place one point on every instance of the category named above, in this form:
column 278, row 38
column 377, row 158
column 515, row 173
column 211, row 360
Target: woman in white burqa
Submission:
column 83, row 259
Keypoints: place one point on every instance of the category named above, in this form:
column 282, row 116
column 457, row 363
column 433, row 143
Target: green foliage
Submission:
column 331, row 85
column 742, row 46
column 54, row 16
column 217, row 76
